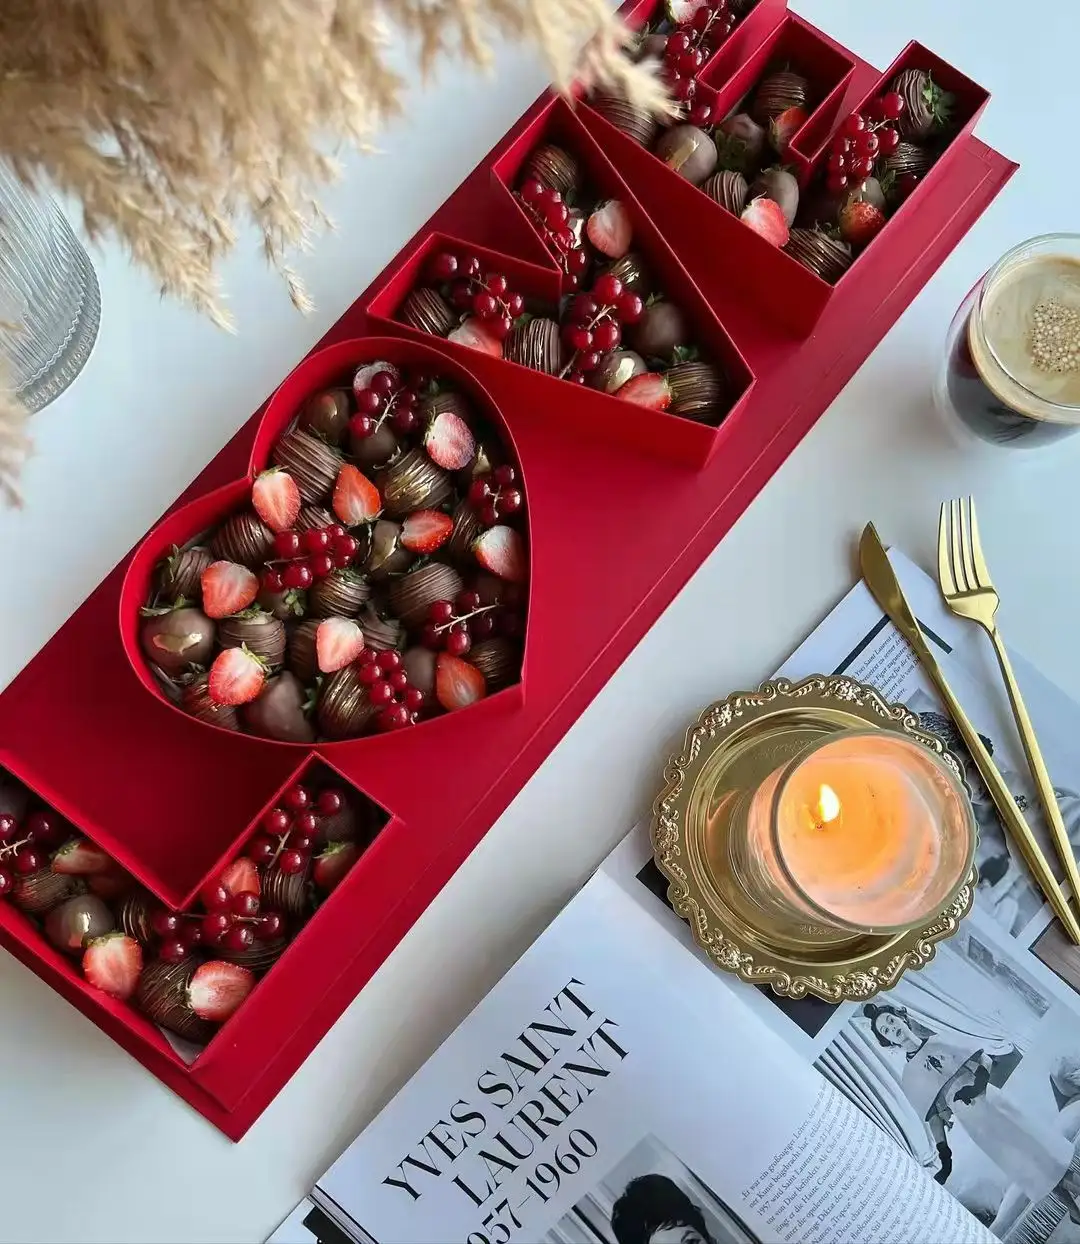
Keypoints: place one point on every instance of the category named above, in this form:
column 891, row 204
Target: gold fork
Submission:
column 969, row 592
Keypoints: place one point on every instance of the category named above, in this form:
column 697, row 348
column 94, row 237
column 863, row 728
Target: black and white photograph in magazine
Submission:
column 973, row 1066
column 650, row 1197
column 1005, row 889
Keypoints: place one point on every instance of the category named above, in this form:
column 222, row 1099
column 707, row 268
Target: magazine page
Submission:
column 605, row 1092
column 1000, row 997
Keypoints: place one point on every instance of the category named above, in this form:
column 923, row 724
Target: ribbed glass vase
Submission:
column 50, row 304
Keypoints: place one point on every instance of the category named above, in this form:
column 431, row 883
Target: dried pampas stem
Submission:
column 170, row 119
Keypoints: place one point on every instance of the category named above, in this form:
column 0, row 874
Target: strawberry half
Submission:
column 218, row 988
column 276, row 499
column 356, row 499
column 227, row 588
column 474, row 335
column 609, row 229
column 766, row 218
column 502, row 551
column 332, row 865
column 782, row 129
column 650, row 390
column 457, row 683
column 240, row 877
column 424, row 531
column 338, row 642
column 449, row 442
column 236, row 677
column 861, row 222
column 113, row 964
column 81, row 858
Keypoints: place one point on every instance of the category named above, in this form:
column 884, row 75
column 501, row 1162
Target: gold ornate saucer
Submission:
column 733, row 747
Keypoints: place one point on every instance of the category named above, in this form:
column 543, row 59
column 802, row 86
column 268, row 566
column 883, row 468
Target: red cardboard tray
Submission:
column 172, row 799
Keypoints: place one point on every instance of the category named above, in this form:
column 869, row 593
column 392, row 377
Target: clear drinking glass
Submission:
column 1011, row 374
column 50, row 305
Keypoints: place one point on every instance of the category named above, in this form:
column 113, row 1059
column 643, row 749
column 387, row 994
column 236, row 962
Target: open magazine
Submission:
column 615, row 1088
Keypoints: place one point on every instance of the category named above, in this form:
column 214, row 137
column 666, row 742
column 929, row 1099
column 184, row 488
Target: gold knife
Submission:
column 881, row 579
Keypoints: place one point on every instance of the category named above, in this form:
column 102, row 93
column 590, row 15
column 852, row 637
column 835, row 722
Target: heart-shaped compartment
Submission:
column 437, row 515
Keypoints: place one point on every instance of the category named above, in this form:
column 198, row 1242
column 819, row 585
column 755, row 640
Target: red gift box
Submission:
column 623, row 506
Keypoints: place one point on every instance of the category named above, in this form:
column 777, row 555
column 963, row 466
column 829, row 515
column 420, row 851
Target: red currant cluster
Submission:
column 551, row 216
column 388, row 688
column 594, row 323
column 388, row 397
column 487, row 295
column 289, row 829
column 495, row 495
column 689, row 48
column 232, row 921
column 863, row 139
column 454, row 626
column 24, row 848
column 301, row 557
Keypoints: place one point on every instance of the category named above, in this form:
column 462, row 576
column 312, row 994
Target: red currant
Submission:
column 515, row 304
column 458, row 641
column 291, row 862
column 485, row 306
column 836, row 183
column 173, row 950
column 607, row 335
column 7, row 881
column 583, row 308
column 368, row 675
column 443, row 267
column 531, row 190
column 578, row 337
column 888, row 140
column 329, row 802
column 346, row 548
column 190, row 933
column 8, row 826
column 269, row 925
column 429, row 637
column 214, row 897
column 277, row 821
column 240, row 937
column 860, row 170
column 854, row 125
column 406, row 420
column 272, row 581
column 244, row 904
column 317, row 540
column 631, row 307
column 296, row 798
column 892, row 105
column 836, row 163
column 297, row 575
column 676, row 45
column 165, row 923
column 287, row 544
column 380, row 693
column 511, row 500
column 488, row 513
column 608, row 288
column 440, row 611
column 336, row 531
column 393, row 717
column 368, row 402
column 214, row 927
column 700, row 114
column 482, row 626
column 322, row 564
column 306, row 822
column 261, row 850
column 461, row 295
column 382, row 382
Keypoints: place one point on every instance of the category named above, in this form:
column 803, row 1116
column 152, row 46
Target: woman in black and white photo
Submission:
column 956, row 1079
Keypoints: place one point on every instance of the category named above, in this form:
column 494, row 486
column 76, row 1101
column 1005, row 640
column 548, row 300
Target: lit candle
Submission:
column 867, row 831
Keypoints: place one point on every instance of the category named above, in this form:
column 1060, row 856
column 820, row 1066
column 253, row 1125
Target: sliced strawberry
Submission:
column 113, row 964
column 861, row 222
column 650, row 390
column 609, row 229
column 236, row 677
column 424, row 531
column 457, row 683
column 501, row 550
column 218, row 988
column 356, row 499
column 81, row 858
column 366, row 374
column 766, row 218
column 239, row 877
column 449, row 442
column 334, row 862
column 338, row 642
column 227, row 588
column 276, row 499
column 782, row 129
column 474, row 335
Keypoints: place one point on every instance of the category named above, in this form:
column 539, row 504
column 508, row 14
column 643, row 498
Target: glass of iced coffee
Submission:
column 1011, row 374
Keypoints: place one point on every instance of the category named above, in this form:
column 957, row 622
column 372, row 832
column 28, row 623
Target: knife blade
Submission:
column 880, row 578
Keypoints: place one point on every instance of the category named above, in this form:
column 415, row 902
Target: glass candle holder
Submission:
column 865, row 832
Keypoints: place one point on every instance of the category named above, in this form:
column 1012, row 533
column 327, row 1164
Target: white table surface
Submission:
column 92, row 1147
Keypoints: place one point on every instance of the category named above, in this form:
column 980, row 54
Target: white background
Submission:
column 91, row 1146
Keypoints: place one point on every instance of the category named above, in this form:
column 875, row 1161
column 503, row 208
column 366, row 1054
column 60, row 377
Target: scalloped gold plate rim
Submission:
column 851, row 968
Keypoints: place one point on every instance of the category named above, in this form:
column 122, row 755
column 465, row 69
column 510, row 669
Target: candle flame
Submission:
column 828, row 807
